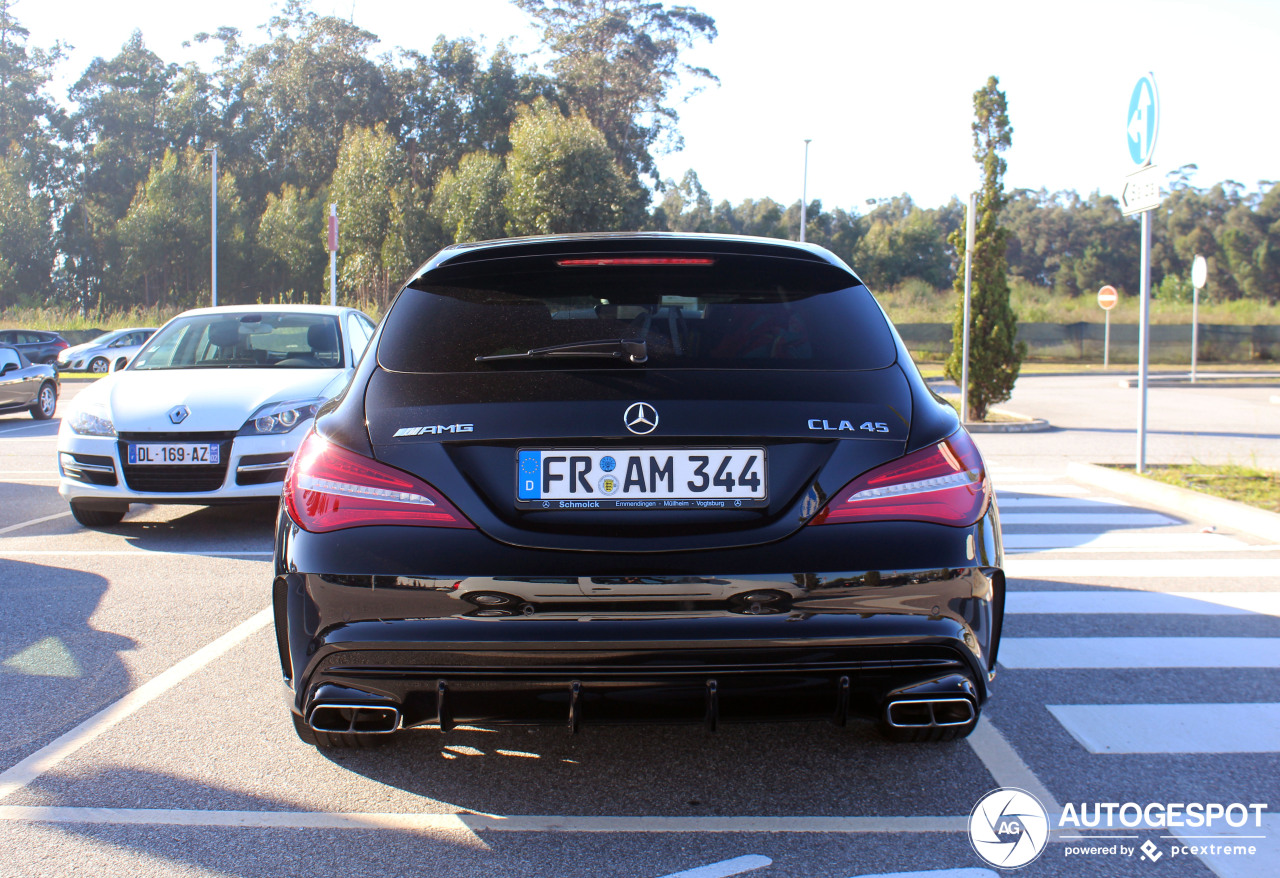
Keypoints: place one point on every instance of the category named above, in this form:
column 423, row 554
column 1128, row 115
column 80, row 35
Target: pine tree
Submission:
column 995, row 355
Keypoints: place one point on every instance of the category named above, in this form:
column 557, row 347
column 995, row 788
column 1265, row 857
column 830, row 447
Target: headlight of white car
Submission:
column 92, row 422
column 280, row 417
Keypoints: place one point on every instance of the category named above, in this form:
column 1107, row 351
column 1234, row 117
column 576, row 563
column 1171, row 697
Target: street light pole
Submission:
column 804, row 192
column 213, row 230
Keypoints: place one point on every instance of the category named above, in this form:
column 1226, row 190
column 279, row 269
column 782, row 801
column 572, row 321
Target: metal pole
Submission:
column 213, row 231
column 1106, row 340
column 1144, row 338
column 969, row 235
column 804, row 192
column 333, row 254
column 1195, row 329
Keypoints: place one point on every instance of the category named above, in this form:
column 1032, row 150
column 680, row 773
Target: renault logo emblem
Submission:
column 641, row 418
column 179, row 414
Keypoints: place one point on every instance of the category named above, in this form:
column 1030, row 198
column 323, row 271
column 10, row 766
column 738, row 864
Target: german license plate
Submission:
column 650, row 478
column 174, row 454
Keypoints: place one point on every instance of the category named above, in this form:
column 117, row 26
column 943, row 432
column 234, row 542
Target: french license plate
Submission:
column 174, row 453
column 649, row 478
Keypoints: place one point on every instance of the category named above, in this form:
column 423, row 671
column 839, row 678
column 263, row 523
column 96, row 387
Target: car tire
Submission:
column 46, row 402
column 336, row 741
column 97, row 517
column 99, row 365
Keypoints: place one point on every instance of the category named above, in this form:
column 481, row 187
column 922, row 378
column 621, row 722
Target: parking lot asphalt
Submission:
column 147, row 735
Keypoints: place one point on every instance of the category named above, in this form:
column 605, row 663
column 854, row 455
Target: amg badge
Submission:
column 434, row 430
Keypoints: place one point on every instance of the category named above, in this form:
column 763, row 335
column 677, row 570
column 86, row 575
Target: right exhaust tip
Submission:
column 922, row 713
column 360, row 719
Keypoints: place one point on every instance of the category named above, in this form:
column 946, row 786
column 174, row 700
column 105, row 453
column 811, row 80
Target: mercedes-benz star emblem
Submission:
column 178, row 414
column 641, row 418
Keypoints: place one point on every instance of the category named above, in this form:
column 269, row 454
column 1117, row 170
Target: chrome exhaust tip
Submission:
column 921, row 713
column 359, row 719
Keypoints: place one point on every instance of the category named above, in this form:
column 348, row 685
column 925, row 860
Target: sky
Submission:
column 884, row 91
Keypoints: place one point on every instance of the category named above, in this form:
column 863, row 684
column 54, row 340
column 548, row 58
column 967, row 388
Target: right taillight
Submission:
column 330, row 488
column 945, row 483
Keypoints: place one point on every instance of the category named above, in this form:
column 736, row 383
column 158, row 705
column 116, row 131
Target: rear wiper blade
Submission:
column 634, row 349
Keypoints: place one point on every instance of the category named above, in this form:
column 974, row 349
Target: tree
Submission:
column 164, row 237
column 287, row 236
column 562, row 175
column 377, row 203
column 995, row 355
column 469, row 202
column 28, row 118
column 452, row 106
column 287, row 102
column 620, row 61
column 26, row 233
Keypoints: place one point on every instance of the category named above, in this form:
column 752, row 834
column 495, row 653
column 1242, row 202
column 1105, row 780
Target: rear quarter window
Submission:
column 740, row 312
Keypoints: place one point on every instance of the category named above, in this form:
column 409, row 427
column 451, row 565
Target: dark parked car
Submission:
column 26, row 385
column 636, row 478
column 36, row 345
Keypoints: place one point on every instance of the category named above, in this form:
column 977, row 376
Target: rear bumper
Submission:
column 672, row 642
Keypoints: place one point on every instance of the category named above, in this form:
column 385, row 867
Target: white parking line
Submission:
column 4, row 433
column 1121, row 541
column 11, row 528
column 471, row 822
column 935, row 873
column 725, row 868
column 1004, row 764
column 1086, row 519
column 1059, row 653
column 1216, row 603
column 48, row 756
column 1172, row 728
column 1206, row 569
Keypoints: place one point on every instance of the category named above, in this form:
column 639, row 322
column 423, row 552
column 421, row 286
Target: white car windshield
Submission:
column 254, row 340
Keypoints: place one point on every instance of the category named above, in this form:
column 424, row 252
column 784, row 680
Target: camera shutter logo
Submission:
column 1008, row 828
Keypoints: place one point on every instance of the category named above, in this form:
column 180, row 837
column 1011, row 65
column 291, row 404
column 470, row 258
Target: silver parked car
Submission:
column 111, row 349
column 26, row 385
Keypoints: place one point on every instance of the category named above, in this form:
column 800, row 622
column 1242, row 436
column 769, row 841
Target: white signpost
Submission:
column 1199, row 275
column 1141, row 194
column 1107, row 299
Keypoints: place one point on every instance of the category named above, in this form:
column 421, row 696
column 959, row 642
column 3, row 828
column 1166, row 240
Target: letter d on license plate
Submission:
column 649, row 478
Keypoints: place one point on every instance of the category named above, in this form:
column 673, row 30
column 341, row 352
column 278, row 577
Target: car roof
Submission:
column 251, row 309
column 606, row 242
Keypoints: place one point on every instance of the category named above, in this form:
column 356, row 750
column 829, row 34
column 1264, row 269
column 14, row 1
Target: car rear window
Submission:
column 723, row 312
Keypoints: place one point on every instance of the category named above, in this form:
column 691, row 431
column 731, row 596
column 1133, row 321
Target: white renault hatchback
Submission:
column 209, row 411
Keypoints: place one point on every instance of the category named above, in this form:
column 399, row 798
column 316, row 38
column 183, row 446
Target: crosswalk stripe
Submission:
column 1143, row 602
column 1023, row 488
column 1060, row 653
column 1127, row 542
column 1088, row 519
column 1206, row 569
column 1038, row 501
column 1172, row 728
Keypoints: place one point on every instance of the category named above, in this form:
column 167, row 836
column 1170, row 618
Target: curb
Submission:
column 1239, row 516
column 1024, row 424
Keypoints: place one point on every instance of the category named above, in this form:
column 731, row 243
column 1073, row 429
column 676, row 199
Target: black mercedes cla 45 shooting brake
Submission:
column 599, row 479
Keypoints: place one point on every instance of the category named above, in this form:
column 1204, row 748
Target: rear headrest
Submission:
column 225, row 334
column 322, row 339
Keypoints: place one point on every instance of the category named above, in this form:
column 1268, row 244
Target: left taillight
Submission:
column 945, row 483
column 330, row 488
